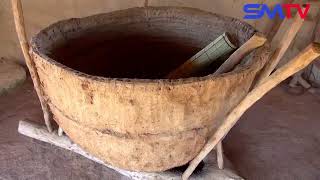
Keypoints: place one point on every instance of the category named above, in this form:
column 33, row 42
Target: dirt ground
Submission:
column 278, row 138
column 24, row 158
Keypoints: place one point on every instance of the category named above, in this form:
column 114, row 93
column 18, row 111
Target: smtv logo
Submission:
column 257, row 11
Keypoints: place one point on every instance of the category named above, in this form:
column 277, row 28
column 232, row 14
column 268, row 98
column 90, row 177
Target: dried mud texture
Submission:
column 107, row 105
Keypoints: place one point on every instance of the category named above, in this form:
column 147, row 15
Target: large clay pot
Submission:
column 100, row 76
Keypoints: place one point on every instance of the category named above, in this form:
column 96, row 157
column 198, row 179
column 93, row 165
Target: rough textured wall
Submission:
column 41, row 13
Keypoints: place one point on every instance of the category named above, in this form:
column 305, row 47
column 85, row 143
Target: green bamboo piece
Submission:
column 212, row 52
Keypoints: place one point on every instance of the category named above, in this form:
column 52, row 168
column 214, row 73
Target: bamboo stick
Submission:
column 20, row 28
column 219, row 47
column 257, row 40
column 284, row 44
column 304, row 58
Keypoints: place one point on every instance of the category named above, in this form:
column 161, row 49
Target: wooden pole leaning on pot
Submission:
column 224, row 44
column 20, row 28
column 266, row 71
column 303, row 59
column 284, row 44
column 257, row 40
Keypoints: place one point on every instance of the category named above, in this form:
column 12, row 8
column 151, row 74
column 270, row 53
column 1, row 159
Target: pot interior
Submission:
column 133, row 46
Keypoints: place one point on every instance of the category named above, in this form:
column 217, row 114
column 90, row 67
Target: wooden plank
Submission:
column 209, row 172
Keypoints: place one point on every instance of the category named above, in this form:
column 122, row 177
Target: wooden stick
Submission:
column 41, row 133
column 220, row 155
column 284, row 44
column 278, row 22
column 304, row 58
column 19, row 23
column 257, row 40
column 38, row 132
column 60, row 131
